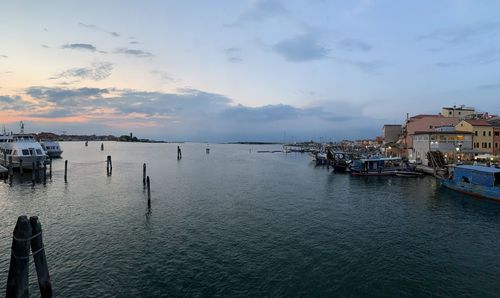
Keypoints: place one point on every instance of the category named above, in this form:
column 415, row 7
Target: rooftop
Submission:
column 443, row 132
column 462, row 108
column 478, row 122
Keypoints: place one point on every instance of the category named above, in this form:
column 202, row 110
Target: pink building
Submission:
column 424, row 123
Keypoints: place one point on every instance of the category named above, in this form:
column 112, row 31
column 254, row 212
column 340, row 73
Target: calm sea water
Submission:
column 239, row 223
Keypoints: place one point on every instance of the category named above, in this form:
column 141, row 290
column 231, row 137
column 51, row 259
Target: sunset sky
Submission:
column 243, row 70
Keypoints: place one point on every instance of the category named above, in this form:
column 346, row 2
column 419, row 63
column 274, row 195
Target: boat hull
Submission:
column 356, row 173
column 472, row 190
column 56, row 154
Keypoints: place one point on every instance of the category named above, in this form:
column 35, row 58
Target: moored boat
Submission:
column 21, row 148
column 377, row 166
column 52, row 148
column 474, row 180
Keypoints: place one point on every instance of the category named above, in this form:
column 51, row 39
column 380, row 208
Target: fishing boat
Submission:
column 52, row 148
column 21, row 148
column 377, row 166
column 474, row 180
column 340, row 162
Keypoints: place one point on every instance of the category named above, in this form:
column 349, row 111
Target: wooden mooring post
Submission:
column 144, row 174
column 109, row 166
column 33, row 177
column 102, row 146
column 38, row 167
column 17, row 280
column 38, row 251
column 66, row 170
column 27, row 233
column 21, row 167
column 11, row 170
column 50, row 168
column 149, row 192
column 44, row 173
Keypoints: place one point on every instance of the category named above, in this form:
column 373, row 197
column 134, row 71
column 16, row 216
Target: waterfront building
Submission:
column 460, row 112
column 391, row 132
column 495, row 122
column 423, row 123
column 482, row 134
column 455, row 145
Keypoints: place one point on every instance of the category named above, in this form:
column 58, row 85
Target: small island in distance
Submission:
column 49, row 136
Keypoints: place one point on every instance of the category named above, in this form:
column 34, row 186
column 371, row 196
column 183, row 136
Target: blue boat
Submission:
column 478, row 181
column 377, row 166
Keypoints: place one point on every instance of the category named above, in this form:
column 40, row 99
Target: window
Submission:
column 459, row 113
column 475, row 132
column 484, row 133
column 497, row 133
column 489, row 145
column 26, row 152
column 489, row 133
column 465, row 179
column 449, row 112
column 496, row 145
column 38, row 151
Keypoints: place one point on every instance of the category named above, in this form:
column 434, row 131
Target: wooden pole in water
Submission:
column 37, row 172
column 144, row 174
column 21, row 166
column 66, row 170
column 102, row 146
column 11, row 170
column 50, row 168
column 17, row 280
column 44, row 173
column 33, row 173
column 149, row 192
column 109, row 166
column 4, row 157
column 38, row 252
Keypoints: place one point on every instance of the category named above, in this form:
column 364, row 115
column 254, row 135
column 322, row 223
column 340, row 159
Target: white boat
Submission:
column 52, row 148
column 22, row 148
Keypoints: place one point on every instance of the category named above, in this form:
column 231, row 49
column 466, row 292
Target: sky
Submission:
column 249, row 70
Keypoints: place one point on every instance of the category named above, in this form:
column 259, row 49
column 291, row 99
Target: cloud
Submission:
column 260, row 11
column 44, row 46
column 187, row 114
column 354, row 45
column 366, row 66
column 490, row 86
column 464, row 33
column 447, row 64
column 301, row 48
column 134, row 52
column 163, row 75
column 81, row 46
column 97, row 72
column 97, row 28
column 4, row 56
column 233, row 55
column 486, row 57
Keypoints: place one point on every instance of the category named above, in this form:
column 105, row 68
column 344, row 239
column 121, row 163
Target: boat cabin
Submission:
column 477, row 175
column 376, row 164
